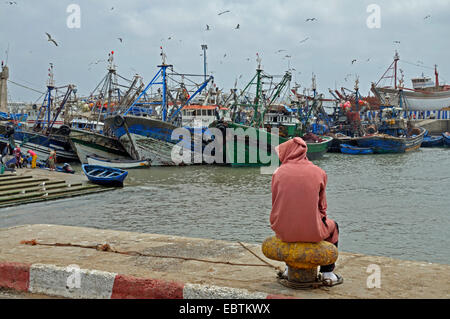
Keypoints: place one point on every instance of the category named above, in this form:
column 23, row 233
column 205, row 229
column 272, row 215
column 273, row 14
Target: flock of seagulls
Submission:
column 208, row 28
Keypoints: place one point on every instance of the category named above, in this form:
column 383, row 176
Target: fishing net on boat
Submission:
column 312, row 138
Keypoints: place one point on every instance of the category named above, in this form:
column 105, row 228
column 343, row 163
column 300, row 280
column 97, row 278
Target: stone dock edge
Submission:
column 57, row 281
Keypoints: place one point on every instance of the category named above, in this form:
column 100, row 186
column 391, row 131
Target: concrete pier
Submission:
column 435, row 127
column 181, row 270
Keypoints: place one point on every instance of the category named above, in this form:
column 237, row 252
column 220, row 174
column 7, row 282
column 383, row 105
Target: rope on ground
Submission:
column 107, row 248
column 268, row 264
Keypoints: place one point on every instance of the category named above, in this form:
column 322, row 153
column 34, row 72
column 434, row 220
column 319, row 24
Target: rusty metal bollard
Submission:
column 303, row 259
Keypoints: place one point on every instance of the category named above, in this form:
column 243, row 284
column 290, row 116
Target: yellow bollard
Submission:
column 303, row 259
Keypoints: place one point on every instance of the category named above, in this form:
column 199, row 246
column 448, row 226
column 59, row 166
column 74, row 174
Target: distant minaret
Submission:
column 4, row 75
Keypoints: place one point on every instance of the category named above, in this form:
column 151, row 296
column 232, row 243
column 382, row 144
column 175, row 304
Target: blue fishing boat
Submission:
column 353, row 150
column 385, row 143
column 148, row 134
column 446, row 138
column 433, row 141
column 106, row 176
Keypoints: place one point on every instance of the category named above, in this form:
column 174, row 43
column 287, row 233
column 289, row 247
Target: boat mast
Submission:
column 50, row 88
column 437, row 76
column 396, row 58
column 256, row 118
column 164, row 67
column 111, row 72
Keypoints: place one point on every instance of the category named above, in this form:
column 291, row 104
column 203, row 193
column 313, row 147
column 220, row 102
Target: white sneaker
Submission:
column 331, row 279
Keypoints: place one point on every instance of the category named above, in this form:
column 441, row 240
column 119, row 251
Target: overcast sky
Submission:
column 338, row 35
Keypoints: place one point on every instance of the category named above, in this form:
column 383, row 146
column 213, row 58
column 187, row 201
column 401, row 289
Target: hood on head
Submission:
column 294, row 149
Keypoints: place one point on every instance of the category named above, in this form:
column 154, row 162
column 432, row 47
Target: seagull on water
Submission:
column 50, row 39
column 238, row 26
column 207, row 28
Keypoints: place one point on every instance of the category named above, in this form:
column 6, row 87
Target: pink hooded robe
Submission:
column 299, row 202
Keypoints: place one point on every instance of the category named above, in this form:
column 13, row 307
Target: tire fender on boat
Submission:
column 119, row 121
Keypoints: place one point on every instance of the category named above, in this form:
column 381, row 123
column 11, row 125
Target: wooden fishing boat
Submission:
column 353, row 150
column 118, row 163
column 87, row 143
column 433, row 141
column 446, row 139
column 106, row 176
column 385, row 143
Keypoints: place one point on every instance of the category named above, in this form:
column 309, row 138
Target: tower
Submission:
column 4, row 75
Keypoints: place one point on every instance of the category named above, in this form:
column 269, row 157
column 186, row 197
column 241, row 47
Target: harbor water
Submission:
column 390, row 205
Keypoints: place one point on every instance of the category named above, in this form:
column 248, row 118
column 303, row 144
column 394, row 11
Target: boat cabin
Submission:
column 202, row 115
column 85, row 124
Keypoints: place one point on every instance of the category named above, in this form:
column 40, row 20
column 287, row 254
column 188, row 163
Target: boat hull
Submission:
column 419, row 101
column 241, row 150
column 446, row 139
column 42, row 145
column 87, row 143
column 122, row 164
column 382, row 144
column 352, row 150
column 99, row 175
column 151, row 139
column 433, row 141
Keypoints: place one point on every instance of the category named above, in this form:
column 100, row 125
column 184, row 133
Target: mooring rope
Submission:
column 107, row 248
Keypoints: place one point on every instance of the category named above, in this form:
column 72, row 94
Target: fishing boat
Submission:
column 446, row 137
column 251, row 136
column 117, row 163
column 88, row 136
column 386, row 143
column 353, row 150
column 433, row 141
column 425, row 95
column 88, row 143
column 105, row 176
column 146, row 134
column 44, row 136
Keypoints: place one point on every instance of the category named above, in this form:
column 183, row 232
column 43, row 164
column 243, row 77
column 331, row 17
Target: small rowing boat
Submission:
column 117, row 163
column 353, row 150
column 106, row 176
column 432, row 141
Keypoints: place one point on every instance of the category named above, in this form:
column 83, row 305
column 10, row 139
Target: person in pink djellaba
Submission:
column 299, row 204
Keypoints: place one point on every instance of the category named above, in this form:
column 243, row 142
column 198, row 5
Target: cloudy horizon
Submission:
column 325, row 46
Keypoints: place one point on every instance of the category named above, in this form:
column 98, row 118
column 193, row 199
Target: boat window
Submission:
column 209, row 112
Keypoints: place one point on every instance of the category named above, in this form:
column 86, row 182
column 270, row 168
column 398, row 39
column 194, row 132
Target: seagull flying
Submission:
column 223, row 12
column 304, row 40
column 280, row 51
column 50, row 39
column 397, row 42
column 11, row 2
column 311, row 19
column 353, row 61
column 207, row 28
column 120, row 39
column 428, row 16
